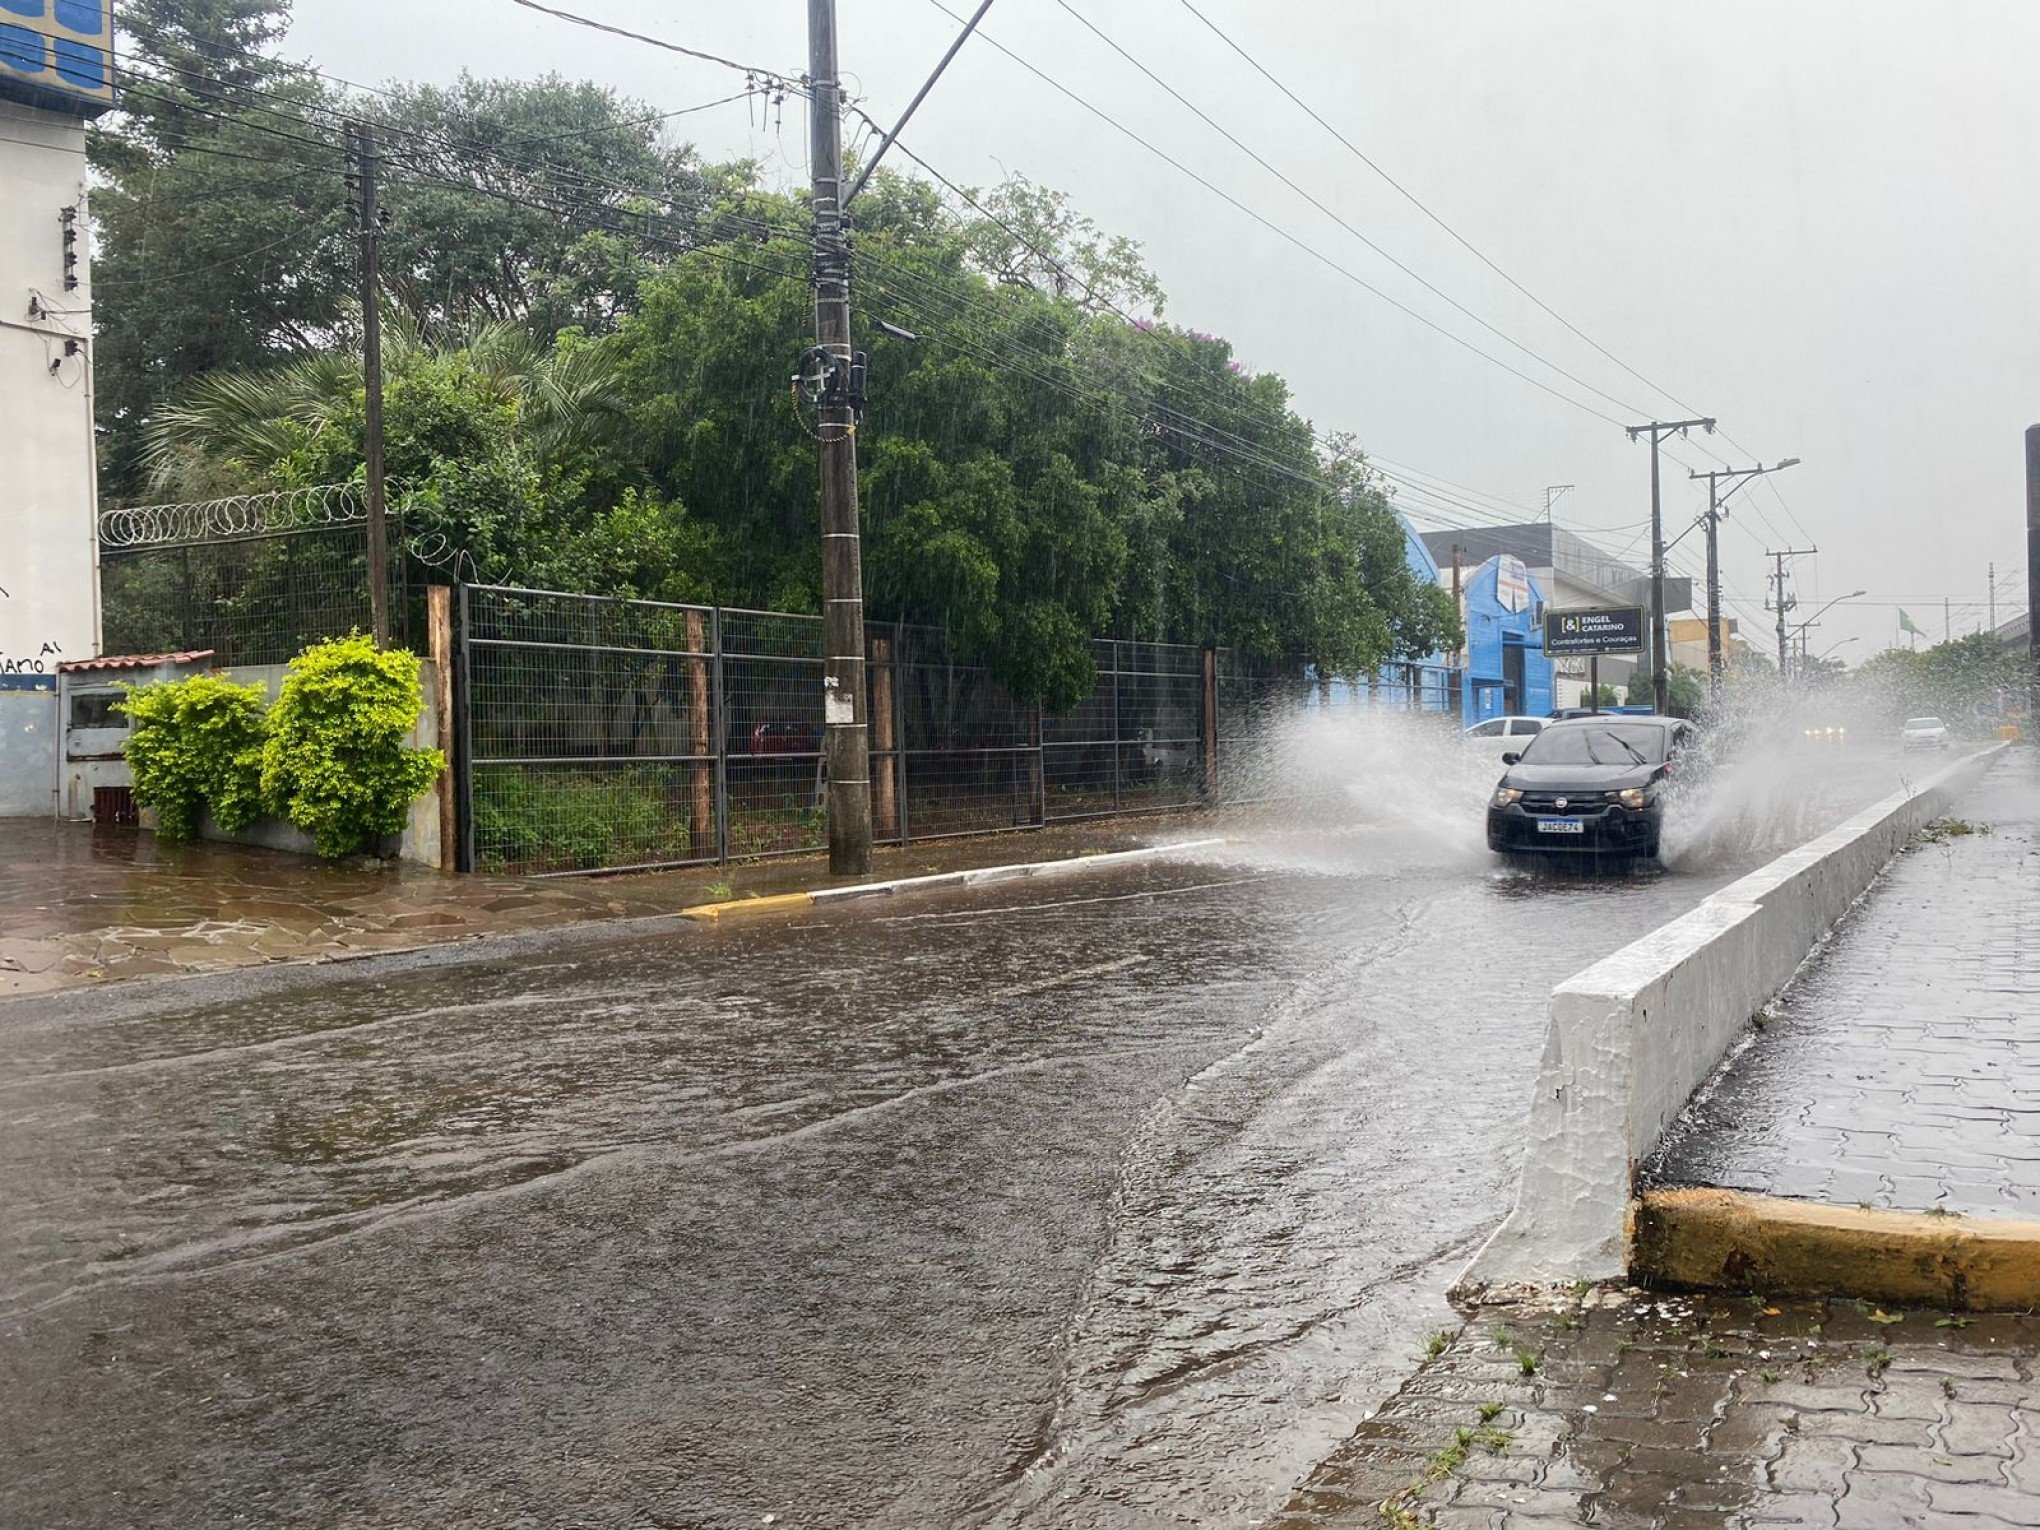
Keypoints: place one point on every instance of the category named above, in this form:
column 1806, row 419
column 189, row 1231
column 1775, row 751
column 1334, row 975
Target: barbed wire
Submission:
column 238, row 515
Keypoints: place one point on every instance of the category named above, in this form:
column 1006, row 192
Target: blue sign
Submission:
column 57, row 54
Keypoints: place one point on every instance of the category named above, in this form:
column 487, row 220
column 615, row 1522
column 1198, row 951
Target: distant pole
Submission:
column 1784, row 603
column 1715, row 662
column 1660, row 631
column 1779, row 603
column 1947, row 619
column 362, row 141
column 2033, row 575
column 1717, row 498
column 843, row 700
column 1459, row 669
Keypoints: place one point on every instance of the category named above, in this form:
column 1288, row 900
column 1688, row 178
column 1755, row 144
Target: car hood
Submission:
column 1579, row 778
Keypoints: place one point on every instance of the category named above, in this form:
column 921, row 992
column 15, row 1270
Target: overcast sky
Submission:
column 1816, row 221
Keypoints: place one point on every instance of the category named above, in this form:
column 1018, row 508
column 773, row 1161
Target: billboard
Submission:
column 1602, row 629
column 57, row 54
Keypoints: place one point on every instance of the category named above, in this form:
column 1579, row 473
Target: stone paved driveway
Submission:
column 1900, row 1068
column 1623, row 1409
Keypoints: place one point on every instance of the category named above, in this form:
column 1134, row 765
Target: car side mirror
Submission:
column 1511, row 758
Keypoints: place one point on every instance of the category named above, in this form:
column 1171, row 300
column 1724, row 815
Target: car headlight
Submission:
column 1504, row 795
column 1632, row 797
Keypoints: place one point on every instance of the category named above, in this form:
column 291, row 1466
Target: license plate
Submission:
column 1561, row 826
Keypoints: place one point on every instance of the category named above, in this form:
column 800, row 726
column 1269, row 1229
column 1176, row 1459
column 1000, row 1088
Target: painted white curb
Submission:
column 1634, row 1035
column 987, row 874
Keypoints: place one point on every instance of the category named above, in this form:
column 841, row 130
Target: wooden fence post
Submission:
column 701, row 834
column 439, row 651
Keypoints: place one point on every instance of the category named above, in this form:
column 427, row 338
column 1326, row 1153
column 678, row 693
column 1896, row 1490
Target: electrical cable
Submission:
column 1280, row 232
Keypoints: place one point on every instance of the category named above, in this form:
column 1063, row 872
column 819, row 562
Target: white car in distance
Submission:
column 1503, row 735
column 1924, row 733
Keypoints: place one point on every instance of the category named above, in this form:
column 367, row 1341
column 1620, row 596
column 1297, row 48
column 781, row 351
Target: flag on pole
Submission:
column 1905, row 624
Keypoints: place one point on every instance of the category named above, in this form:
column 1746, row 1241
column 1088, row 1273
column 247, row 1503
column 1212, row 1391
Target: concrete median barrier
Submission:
column 1633, row 1036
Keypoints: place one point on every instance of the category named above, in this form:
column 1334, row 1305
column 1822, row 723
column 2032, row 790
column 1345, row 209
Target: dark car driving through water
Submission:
column 1589, row 785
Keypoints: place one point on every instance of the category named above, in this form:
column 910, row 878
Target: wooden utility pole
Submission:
column 838, row 398
column 1660, row 653
column 361, row 142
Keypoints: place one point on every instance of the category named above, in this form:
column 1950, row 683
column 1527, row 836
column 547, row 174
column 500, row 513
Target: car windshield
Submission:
column 1921, row 724
column 1600, row 745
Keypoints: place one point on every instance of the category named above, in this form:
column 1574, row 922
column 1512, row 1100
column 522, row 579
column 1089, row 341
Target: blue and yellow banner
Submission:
column 57, row 54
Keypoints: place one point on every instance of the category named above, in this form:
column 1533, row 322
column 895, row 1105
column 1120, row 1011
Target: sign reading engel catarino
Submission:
column 1608, row 629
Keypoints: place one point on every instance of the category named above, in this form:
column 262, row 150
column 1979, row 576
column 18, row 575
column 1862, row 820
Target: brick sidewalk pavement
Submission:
column 1898, row 1069
column 1623, row 1409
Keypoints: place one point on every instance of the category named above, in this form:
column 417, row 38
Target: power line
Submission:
column 1416, row 202
column 755, row 71
column 1318, row 203
column 1275, row 228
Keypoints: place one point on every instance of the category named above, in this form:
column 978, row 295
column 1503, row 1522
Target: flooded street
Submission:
column 1114, row 1199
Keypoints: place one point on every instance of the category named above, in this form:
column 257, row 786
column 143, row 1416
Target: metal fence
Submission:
column 254, row 577
column 604, row 734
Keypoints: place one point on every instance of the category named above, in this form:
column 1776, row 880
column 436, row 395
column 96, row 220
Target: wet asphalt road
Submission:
column 1107, row 1200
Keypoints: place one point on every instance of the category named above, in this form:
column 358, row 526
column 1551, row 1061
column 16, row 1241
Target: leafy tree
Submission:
column 224, row 241
column 1031, row 236
column 1687, row 688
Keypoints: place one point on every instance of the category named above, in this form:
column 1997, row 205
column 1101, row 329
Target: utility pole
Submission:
column 1459, row 653
column 361, row 143
column 1947, row 619
column 1992, row 597
column 1660, row 657
column 839, row 397
column 1783, row 603
column 1717, row 499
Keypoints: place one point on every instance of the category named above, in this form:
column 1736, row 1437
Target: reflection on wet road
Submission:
column 1114, row 1200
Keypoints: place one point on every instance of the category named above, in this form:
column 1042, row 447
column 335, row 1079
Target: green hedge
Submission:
column 329, row 755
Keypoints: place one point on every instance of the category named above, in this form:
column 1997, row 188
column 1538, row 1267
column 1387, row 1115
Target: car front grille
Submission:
column 1547, row 802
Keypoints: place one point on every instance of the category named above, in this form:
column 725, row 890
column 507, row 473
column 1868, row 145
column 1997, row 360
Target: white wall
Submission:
column 48, row 567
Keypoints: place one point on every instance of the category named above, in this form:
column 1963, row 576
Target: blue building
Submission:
column 1506, row 671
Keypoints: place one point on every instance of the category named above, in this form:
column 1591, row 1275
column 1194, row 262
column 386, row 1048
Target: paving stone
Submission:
column 1897, row 1064
column 1829, row 1447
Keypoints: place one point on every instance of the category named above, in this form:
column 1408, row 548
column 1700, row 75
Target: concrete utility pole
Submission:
column 1660, row 655
column 838, row 398
column 361, row 143
column 1717, row 498
column 1783, row 603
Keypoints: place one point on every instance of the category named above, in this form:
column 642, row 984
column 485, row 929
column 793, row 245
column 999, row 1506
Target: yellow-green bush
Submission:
column 334, row 761
column 196, row 744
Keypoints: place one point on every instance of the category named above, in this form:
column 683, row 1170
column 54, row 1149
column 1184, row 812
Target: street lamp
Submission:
column 1813, row 621
column 1844, row 643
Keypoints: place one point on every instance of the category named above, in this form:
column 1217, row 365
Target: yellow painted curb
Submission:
column 1726, row 1240
column 778, row 903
